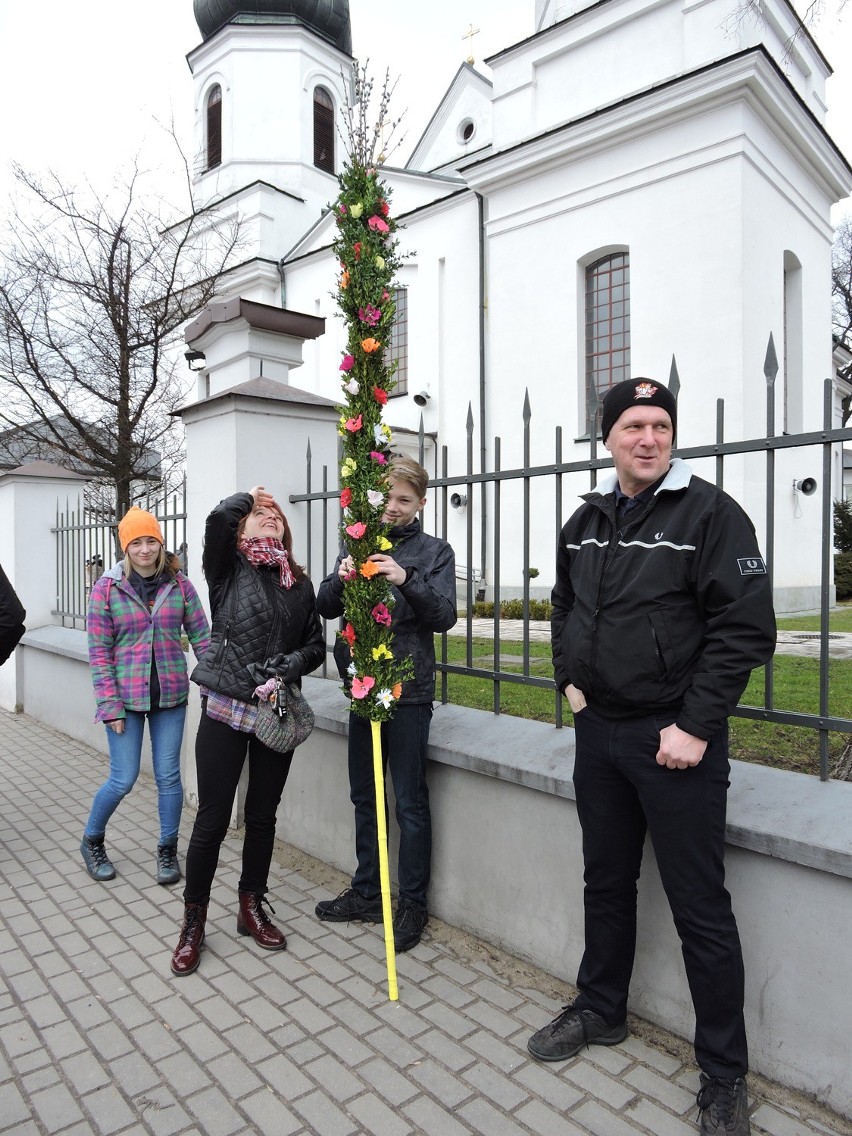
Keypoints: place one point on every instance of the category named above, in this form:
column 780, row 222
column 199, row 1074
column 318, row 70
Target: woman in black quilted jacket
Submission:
column 264, row 624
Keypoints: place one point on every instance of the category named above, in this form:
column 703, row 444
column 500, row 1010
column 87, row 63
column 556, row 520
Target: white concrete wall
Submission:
column 507, row 865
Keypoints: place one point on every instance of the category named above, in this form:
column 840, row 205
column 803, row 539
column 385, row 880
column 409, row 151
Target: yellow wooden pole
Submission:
column 384, row 872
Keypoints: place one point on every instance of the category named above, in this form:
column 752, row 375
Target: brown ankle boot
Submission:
column 253, row 920
column 191, row 942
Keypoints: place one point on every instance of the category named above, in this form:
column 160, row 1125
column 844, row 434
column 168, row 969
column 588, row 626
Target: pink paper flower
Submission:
column 361, row 687
column 379, row 458
column 369, row 315
column 381, row 614
column 353, row 425
column 356, row 530
column 378, row 225
column 348, row 363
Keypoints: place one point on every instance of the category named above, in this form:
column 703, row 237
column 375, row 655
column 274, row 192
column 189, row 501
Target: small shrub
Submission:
column 514, row 609
column 843, row 526
column 843, row 575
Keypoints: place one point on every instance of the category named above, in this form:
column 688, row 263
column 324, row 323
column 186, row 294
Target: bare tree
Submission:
column 94, row 290
column 841, row 295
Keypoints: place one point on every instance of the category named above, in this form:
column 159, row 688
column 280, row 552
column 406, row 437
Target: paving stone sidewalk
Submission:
column 96, row 1036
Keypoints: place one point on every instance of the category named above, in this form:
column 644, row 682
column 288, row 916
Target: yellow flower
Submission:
column 348, row 467
column 379, row 262
column 383, row 544
column 381, row 652
column 356, row 210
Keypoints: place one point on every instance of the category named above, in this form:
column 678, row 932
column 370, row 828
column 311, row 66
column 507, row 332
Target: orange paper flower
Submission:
column 369, row 569
column 397, row 689
column 370, row 345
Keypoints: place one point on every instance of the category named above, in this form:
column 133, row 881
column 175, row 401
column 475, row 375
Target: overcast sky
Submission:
column 83, row 81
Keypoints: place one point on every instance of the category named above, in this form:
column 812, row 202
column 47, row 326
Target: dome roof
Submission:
column 328, row 18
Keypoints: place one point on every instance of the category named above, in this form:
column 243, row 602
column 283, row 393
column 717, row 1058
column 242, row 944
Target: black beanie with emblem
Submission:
column 636, row 392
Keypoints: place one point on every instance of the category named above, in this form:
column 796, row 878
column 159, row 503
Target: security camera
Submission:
column 422, row 397
column 458, row 500
column 807, row 486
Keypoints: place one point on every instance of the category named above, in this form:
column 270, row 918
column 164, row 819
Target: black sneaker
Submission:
column 723, row 1105
column 168, row 868
column 570, row 1031
column 350, row 905
column 96, row 860
column 408, row 924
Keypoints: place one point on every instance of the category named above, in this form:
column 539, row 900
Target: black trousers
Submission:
column 621, row 793
column 220, row 753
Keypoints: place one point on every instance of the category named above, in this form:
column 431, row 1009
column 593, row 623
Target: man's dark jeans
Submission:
column 621, row 792
column 404, row 741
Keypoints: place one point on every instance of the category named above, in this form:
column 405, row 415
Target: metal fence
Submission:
column 546, row 482
column 87, row 544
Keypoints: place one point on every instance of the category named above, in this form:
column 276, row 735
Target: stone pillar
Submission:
column 28, row 497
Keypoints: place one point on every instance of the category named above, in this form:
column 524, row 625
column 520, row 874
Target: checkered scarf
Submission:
column 267, row 550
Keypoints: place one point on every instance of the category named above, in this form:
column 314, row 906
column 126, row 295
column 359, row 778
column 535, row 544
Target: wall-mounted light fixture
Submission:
column 458, row 500
column 807, row 486
column 195, row 360
column 422, row 397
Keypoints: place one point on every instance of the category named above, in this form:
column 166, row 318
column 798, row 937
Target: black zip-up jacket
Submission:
column 672, row 614
column 254, row 618
column 425, row 604
column 12, row 616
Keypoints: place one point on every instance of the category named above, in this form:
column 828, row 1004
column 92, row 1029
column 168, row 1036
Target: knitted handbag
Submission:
column 285, row 719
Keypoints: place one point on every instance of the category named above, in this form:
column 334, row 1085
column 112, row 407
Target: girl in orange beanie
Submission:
column 137, row 611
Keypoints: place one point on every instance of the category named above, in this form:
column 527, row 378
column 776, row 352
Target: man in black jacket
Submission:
column 12, row 616
column 661, row 609
column 423, row 576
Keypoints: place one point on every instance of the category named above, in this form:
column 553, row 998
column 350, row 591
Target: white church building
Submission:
column 637, row 181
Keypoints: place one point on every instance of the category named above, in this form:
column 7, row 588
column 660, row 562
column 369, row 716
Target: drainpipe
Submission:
column 281, row 263
column 483, row 490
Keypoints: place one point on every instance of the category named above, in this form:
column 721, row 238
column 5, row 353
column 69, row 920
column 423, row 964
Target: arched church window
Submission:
column 323, row 130
column 607, row 322
column 214, row 127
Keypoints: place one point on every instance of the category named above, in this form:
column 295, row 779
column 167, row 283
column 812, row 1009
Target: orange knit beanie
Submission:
column 135, row 523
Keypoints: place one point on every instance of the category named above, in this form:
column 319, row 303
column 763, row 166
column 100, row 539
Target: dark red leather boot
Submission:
column 253, row 920
column 191, row 942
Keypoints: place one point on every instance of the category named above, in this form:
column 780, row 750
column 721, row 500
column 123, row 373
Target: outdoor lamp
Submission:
column 195, row 360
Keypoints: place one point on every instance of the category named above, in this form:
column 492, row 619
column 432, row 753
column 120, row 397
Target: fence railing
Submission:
column 545, row 482
column 86, row 544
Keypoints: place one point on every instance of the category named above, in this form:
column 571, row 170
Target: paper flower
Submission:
column 375, row 497
column 341, row 208
column 380, row 395
column 383, row 544
column 369, row 569
column 348, row 467
column 353, row 425
column 384, row 208
column 352, row 387
column 356, row 210
column 345, row 498
column 370, row 345
column 384, row 698
column 356, row 530
column 397, row 689
column 379, row 262
column 356, row 248
column 348, row 633
column 381, row 652
column 344, row 280
column 377, row 457
column 361, row 687
column 351, row 670
column 369, row 315
column 348, row 363
column 378, row 225
column 381, row 614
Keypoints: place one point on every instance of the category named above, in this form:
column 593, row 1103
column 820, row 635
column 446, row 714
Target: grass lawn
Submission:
column 796, row 688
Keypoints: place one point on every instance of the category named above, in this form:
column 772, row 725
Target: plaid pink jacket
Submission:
column 124, row 634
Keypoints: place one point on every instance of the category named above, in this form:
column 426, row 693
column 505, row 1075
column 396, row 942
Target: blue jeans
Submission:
column 404, row 741
column 125, row 757
column 621, row 793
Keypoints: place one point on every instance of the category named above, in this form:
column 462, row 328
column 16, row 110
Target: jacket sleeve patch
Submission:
column 752, row 566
